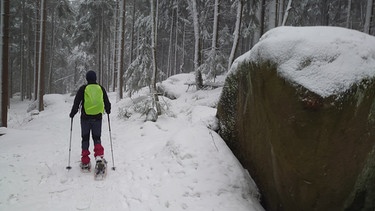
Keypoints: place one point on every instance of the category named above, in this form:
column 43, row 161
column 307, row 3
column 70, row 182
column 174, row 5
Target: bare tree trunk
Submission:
column 132, row 34
column 30, row 40
column 5, row 62
column 215, row 34
column 108, row 64
column 287, row 12
column 154, row 39
column 262, row 18
column 116, row 46
column 41, row 57
column 367, row 24
column 257, row 30
column 324, row 8
column 102, row 50
column 22, row 50
column 212, row 61
column 37, row 44
column 183, row 49
column 272, row 14
column 153, row 47
column 138, row 51
column 52, row 52
column 169, row 69
column 120, row 75
column 176, row 41
column 99, row 50
column 236, row 33
column 280, row 13
column 197, row 47
column 348, row 16
column 29, row 56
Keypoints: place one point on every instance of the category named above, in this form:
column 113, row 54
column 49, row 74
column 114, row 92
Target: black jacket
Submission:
column 79, row 100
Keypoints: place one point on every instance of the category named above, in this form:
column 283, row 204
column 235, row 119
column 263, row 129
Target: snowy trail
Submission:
column 171, row 164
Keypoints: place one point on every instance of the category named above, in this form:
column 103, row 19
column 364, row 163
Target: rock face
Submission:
column 304, row 149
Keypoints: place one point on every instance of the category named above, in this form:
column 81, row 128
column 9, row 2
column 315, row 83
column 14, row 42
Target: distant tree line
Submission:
column 48, row 45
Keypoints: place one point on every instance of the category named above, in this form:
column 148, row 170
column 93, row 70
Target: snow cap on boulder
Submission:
column 324, row 60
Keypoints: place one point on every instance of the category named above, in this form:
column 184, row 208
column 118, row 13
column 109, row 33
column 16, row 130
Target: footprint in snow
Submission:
column 13, row 198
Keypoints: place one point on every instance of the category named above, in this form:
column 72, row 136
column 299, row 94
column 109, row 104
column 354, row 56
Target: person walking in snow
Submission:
column 93, row 100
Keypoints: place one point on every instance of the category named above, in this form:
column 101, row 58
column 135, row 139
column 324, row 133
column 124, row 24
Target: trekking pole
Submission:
column 70, row 143
column 110, row 139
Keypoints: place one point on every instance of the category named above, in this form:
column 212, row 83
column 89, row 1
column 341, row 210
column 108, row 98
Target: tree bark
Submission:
column 153, row 47
column 183, row 48
column 348, row 15
column 116, row 46
column 120, row 75
column 5, row 63
column 42, row 48
column 170, row 47
column 132, row 35
column 197, row 46
column 30, row 55
column 154, row 29
column 324, row 8
column 215, row 30
column 287, row 12
column 272, row 14
column 368, row 16
column 176, row 41
column 52, row 52
column 236, row 33
column 280, row 13
column 22, row 50
column 37, row 44
column 262, row 18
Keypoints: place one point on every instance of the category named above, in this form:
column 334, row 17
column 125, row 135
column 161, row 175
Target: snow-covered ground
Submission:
column 176, row 163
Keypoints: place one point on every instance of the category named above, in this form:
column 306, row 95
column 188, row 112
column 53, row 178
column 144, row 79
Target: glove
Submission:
column 71, row 115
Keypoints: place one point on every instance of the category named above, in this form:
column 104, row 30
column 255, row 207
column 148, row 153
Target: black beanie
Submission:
column 91, row 76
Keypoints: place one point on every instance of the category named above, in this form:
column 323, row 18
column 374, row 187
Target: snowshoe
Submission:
column 85, row 168
column 100, row 168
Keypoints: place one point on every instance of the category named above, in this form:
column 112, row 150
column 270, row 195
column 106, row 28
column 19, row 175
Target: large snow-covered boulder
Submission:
column 298, row 110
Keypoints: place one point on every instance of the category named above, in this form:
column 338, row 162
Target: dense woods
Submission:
column 47, row 46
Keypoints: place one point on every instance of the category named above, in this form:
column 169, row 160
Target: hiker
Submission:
column 93, row 100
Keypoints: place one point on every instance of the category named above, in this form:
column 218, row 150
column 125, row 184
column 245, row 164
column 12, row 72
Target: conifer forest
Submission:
column 48, row 45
